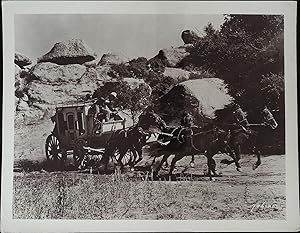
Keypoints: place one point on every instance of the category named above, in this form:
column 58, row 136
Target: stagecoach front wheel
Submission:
column 54, row 150
column 127, row 158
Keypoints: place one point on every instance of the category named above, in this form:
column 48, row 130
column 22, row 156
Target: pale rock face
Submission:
column 177, row 74
column 50, row 94
column 201, row 97
column 74, row 51
column 22, row 105
column 52, row 73
column 112, row 59
column 173, row 56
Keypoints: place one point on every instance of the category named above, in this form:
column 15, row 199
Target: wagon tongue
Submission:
column 93, row 149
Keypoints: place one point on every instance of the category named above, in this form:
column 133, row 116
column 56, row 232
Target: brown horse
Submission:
column 251, row 136
column 133, row 138
column 189, row 141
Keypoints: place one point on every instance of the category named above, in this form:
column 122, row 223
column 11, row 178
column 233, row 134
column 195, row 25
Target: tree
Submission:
column 133, row 97
column 241, row 52
column 247, row 52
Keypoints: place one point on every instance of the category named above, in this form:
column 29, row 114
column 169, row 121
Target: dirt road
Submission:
column 249, row 194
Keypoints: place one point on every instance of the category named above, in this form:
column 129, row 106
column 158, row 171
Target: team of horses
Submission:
column 226, row 134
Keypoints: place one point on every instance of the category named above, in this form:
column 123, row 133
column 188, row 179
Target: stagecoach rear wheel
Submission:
column 79, row 153
column 54, row 150
column 127, row 158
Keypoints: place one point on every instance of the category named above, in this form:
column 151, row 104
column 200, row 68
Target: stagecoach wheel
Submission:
column 127, row 158
column 54, row 150
column 79, row 154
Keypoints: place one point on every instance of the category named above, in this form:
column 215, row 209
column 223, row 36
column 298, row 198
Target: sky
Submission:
column 129, row 35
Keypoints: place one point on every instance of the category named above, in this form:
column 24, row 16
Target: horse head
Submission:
column 150, row 119
column 269, row 118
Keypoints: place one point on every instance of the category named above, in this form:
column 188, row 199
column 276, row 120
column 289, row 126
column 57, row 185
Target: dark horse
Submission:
column 189, row 141
column 251, row 135
column 133, row 138
column 182, row 141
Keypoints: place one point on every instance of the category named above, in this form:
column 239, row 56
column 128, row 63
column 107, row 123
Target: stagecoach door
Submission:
column 72, row 133
column 75, row 124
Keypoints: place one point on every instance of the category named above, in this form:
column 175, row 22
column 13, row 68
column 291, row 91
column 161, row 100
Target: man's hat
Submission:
column 114, row 94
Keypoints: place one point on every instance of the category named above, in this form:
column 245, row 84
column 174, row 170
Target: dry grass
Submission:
column 71, row 195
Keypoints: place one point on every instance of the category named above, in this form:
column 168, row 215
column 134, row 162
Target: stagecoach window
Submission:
column 71, row 121
column 61, row 123
column 80, row 123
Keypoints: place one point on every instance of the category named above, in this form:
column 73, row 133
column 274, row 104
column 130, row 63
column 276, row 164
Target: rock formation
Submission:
column 111, row 59
column 201, row 97
column 74, row 51
column 173, row 56
column 21, row 60
column 189, row 37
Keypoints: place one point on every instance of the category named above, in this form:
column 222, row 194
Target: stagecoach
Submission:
column 77, row 132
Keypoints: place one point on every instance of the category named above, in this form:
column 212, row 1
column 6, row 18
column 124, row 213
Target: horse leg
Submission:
column 164, row 159
column 192, row 163
column 122, row 153
column 140, row 154
column 258, row 154
column 210, row 162
column 166, row 164
column 235, row 155
column 213, row 166
column 174, row 160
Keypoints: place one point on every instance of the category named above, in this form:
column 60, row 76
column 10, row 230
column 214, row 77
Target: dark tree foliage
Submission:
column 242, row 52
column 151, row 71
column 248, row 53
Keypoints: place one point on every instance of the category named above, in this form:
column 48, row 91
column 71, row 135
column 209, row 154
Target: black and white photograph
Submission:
column 132, row 114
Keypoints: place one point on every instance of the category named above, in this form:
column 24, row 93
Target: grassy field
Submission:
column 71, row 195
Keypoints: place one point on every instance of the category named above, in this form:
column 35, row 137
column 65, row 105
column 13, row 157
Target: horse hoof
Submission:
column 192, row 164
column 132, row 169
column 212, row 179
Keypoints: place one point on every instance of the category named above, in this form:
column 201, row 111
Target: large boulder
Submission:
column 55, row 84
column 52, row 73
column 173, row 56
column 179, row 75
column 189, row 37
column 112, row 59
column 74, row 51
column 21, row 60
column 50, row 94
column 201, row 97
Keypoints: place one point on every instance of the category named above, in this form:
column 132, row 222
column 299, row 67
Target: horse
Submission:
column 252, row 136
column 133, row 138
column 189, row 141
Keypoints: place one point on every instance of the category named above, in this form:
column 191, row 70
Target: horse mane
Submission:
column 222, row 114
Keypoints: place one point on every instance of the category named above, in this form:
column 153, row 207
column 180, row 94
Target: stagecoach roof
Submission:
column 69, row 105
